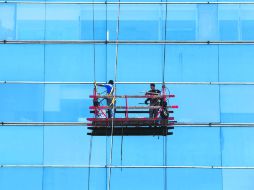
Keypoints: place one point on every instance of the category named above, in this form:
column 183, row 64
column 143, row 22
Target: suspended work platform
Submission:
column 103, row 125
column 130, row 122
column 130, row 131
column 130, row 126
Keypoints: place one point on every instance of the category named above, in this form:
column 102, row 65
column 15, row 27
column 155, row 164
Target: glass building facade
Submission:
column 52, row 52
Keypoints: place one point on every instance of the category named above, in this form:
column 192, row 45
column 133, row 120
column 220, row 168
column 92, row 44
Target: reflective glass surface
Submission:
column 68, row 178
column 239, row 60
column 194, row 151
column 137, row 179
column 238, row 179
column 21, row 145
column 26, row 62
column 66, row 103
column 21, row 178
column 237, row 152
column 194, row 178
column 234, row 101
column 21, row 103
column 75, row 63
column 7, row 22
column 191, row 63
column 188, row 145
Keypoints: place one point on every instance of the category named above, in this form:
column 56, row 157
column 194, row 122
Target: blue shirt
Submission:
column 108, row 87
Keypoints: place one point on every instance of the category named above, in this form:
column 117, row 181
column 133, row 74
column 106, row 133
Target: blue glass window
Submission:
column 21, row 145
column 237, row 104
column 25, row 64
column 21, row 103
column 7, row 22
column 24, row 178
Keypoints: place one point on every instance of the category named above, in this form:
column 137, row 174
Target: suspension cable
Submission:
column 94, row 72
column 113, row 115
column 89, row 162
column 163, row 91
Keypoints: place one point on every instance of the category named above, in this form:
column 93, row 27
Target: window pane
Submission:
column 30, row 27
column 139, row 150
column 229, row 22
column 192, row 22
column 75, row 22
column 7, row 22
column 236, row 63
column 137, row 179
column 198, row 146
column 70, row 145
column 140, row 22
column 67, row 102
column 238, row 179
column 207, row 22
column 21, row 178
column 237, row 146
column 237, row 104
column 247, row 21
column 73, row 178
column 21, row 145
column 75, row 63
column 190, row 63
column 196, row 103
column 142, row 63
column 22, row 62
column 198, row 179
column 21, row 103
column 182, row 22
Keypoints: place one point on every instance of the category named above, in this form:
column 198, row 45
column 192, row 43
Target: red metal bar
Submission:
column 134, row 96
column 131, row 107
column 126, row 119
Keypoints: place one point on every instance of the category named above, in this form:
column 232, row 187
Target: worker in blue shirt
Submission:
column 110, row 100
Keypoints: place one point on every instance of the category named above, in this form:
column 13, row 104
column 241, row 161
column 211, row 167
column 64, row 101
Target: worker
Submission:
column 153, row 101
column 110, row 100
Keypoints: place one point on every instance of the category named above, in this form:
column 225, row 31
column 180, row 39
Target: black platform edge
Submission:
column 130, row 131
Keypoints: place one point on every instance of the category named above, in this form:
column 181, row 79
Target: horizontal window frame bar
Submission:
column 127, row 167
column 123, row 3
column 127, row 42
column 129, row 83
column 178, row 124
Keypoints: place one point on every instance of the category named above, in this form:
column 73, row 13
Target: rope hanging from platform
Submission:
column 113, row 115
column 163, row 91
column 95, row 91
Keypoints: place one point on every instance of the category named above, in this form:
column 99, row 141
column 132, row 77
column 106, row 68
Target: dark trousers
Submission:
column 153, row 113
column 110, row 104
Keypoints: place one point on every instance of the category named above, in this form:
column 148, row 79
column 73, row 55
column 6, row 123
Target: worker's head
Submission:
column 111, row 82
column 152, row 86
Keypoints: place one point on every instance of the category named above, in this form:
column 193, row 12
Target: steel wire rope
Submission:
column 163, row 88
column 44, row 77
column 220, row 131
column 94, row 73
column 114, row 95
column 107, row 38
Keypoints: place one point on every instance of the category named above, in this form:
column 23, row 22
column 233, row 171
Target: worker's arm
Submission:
column 148, row 99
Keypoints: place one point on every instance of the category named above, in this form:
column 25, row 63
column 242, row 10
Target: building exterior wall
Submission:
column 44, row 47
